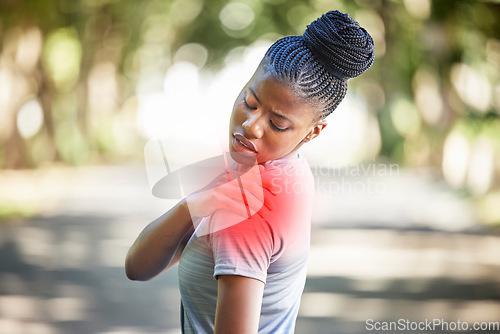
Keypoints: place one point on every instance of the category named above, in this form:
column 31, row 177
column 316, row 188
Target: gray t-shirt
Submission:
column 272, row 249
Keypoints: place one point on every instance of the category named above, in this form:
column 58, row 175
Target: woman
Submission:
column 243, row 241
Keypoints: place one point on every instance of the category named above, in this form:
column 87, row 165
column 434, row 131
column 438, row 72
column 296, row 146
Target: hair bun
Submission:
column 340, row 44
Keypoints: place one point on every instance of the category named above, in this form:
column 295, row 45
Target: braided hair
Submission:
column 317, row 64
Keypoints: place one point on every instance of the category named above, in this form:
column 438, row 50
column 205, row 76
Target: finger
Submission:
column 249, row 201
column 258, row 197
column 238, row 207
column 251, row 188
column 262, row 193
column 250, row 185
column 269, row 200
column 222, row 219
column 247, row 192
column 257, row 202
column 269, row 183
column 263, row 212
column 245, row 200
column 256, row 207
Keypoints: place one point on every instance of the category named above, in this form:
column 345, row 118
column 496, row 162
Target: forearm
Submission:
column 156, row 246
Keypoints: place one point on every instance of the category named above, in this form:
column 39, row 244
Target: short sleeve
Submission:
column 243, row 249
column 249, row 247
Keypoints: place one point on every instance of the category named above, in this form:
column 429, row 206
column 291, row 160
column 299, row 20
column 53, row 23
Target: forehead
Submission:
column 279, row 97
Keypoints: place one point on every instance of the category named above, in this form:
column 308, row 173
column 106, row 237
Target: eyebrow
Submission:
column 272, row 111
column 255, row 95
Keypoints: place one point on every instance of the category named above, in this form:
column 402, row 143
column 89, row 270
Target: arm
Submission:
column 160, row 244
column 239, row 300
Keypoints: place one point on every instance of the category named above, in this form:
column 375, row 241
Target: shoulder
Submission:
column 292, row 192
column 290, row 198
column 290, row 177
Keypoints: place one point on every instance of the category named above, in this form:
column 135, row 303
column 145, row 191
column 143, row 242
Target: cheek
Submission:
column 234, row 118
column 280, row 144
column 238, row 114
column 289, row 138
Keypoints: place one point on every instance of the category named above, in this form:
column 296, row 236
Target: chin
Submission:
column 243, row 158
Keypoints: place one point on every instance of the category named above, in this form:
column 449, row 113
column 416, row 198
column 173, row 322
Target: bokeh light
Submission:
column 30, row 119
column 236, row 16
column 62, row 56
column 407, row 170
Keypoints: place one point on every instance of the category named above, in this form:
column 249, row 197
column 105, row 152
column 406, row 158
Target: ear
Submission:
column 315, row 131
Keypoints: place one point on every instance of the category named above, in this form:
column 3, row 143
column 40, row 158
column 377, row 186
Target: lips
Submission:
column 240, row 139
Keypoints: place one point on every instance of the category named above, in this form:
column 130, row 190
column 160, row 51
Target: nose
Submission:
column 252, row 126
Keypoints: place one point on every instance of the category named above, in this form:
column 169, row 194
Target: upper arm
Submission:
column 239, row 300
column 180, row 248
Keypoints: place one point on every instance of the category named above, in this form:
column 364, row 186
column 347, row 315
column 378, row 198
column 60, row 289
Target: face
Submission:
column 269, row 121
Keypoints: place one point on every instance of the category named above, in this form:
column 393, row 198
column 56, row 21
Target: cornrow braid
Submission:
column 317, row 64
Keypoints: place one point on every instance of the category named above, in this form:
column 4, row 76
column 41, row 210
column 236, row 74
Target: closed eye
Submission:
column 275, row 127
column 248, row 106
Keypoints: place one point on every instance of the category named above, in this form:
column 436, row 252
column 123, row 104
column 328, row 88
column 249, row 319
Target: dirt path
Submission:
column 374, row 256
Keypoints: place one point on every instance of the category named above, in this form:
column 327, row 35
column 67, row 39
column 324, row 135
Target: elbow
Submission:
column 132, row 272
column 131, row 275
column 135, row 276
column 141, row 268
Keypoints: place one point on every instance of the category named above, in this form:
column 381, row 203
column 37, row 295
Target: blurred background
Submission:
column 407, row 218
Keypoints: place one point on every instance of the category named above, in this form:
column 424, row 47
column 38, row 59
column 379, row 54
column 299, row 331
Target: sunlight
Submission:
column 481, row 166
column 420, row 9
column 62, row 55
column 236, row 16
column 428, row 95
column 30, row 118
column 352, row 135
column 472, row 86
column 455, row 159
